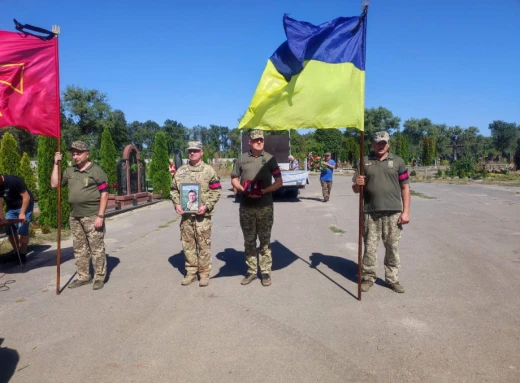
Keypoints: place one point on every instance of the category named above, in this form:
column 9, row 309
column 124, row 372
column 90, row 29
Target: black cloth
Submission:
column 10, row 191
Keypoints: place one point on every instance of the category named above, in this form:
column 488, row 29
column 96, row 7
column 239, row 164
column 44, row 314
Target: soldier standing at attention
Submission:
column 196, row 227
column 386, row 208
column 257, row 168
column 88, row 198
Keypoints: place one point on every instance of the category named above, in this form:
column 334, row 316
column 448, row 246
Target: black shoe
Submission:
column 23, row 258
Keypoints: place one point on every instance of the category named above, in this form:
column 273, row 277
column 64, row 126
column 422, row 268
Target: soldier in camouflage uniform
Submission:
column 256, row 168
column 196, row 227
column 386, row 195
column 88, row 198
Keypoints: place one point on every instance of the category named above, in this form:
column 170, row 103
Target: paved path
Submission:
column 459, row 320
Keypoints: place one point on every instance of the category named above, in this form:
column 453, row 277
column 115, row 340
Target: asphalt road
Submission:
column 458, row 321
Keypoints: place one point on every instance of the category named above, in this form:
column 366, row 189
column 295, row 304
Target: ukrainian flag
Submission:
column 315, row 79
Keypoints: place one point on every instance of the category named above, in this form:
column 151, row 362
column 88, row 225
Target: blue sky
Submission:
column 198, row 62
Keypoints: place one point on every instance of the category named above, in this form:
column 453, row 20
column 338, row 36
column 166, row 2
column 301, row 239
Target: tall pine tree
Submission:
column 9, row 156
column 160, row 166
column 108, row 159
column 48, row 197
column 26, row 173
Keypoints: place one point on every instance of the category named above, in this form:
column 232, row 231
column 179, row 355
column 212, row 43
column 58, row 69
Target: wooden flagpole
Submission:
column 56, row 31
column 364, row 6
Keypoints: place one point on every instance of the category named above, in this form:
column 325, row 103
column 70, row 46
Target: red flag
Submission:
column 29, row 90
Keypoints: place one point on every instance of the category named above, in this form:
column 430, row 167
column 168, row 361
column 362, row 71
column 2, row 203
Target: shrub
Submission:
column 48, row 197
column 484, row 173
column 413, row 173
column 108, row 159
column 462, row 174
column 46, row 229
column 26, row 173
column 9, row 156
column 161, row 176
column 439, row 173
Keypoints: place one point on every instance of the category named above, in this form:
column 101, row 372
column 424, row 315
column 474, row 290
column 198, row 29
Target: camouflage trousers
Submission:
column 376, row 226
column 88, row 242
column 257, row 222
column 326, row 187
column 196, row 243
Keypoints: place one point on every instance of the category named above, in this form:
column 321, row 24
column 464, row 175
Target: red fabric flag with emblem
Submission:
column 29, row 83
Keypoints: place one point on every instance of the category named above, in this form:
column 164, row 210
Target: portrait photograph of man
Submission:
column 190, row 197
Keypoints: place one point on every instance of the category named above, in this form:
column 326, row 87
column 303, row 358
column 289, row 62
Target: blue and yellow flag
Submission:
column 315, row 79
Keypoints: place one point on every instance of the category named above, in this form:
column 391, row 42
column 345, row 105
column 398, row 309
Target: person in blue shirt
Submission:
column 327, row 168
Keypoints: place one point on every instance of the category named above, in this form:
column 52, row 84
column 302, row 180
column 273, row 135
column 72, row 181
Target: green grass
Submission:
column 420, row 195
column 336, row 230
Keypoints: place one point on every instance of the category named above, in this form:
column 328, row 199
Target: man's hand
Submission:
column 360, row 180
column 178, row 209
column 98, row 223
column 57, row 157
column 404, row 218
column 202, row 210
column 22, row 217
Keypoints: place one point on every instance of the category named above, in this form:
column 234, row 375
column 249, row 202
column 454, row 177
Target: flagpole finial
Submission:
column 56, row 29
column 365, row 4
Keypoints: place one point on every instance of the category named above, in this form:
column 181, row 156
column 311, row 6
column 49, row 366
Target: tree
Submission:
column 416, row 128
column 48, row 197
column 27, row 142
column 85, row 110
column 9, row 157
column 108, row 159
column 330, row 139
column 504, row 135
column 378, row 119
column 428, row 154
column 176, row 136
column 26, row 173
column 159, row 168
column 234, row 143
column 401, row 146
column 116, row 122
column 351, row 149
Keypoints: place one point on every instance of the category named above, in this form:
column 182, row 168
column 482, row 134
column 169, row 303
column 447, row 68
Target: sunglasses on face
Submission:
column 257, row 140
column 191, row 151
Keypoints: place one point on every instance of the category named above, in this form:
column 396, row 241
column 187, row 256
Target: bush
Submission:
column 413, row 173
column 9, row 156
column 484, row 173
column 48, row 197
column 462, row 174
column 162, row 183
column 46, row 229
column 161, row 175
column 439, row 173
column 26, row 173
column 108, row 159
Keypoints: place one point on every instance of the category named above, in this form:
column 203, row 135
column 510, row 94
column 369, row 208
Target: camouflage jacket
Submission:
column 205, row 176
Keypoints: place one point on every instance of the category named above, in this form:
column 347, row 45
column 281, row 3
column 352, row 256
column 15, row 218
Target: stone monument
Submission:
column 131, row 179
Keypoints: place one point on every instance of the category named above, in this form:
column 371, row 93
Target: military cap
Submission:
column 256, row 134
column 381, row 136
column 195, row 145
column 80, row 145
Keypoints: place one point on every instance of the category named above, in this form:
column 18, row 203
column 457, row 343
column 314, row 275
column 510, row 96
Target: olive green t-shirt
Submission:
column 250, row 168
column 383, row 180
column 85, row 188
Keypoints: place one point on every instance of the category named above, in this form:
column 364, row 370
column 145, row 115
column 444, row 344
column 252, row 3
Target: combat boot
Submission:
column 266, row 280
column 188, row 279
column 395, row 287
column 77, row 283
column 366, row 285
column 204, row 281
column 98, row 285
column 248, row 279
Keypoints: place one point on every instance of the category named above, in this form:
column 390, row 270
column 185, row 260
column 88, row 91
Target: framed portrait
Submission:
column 190, row 197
